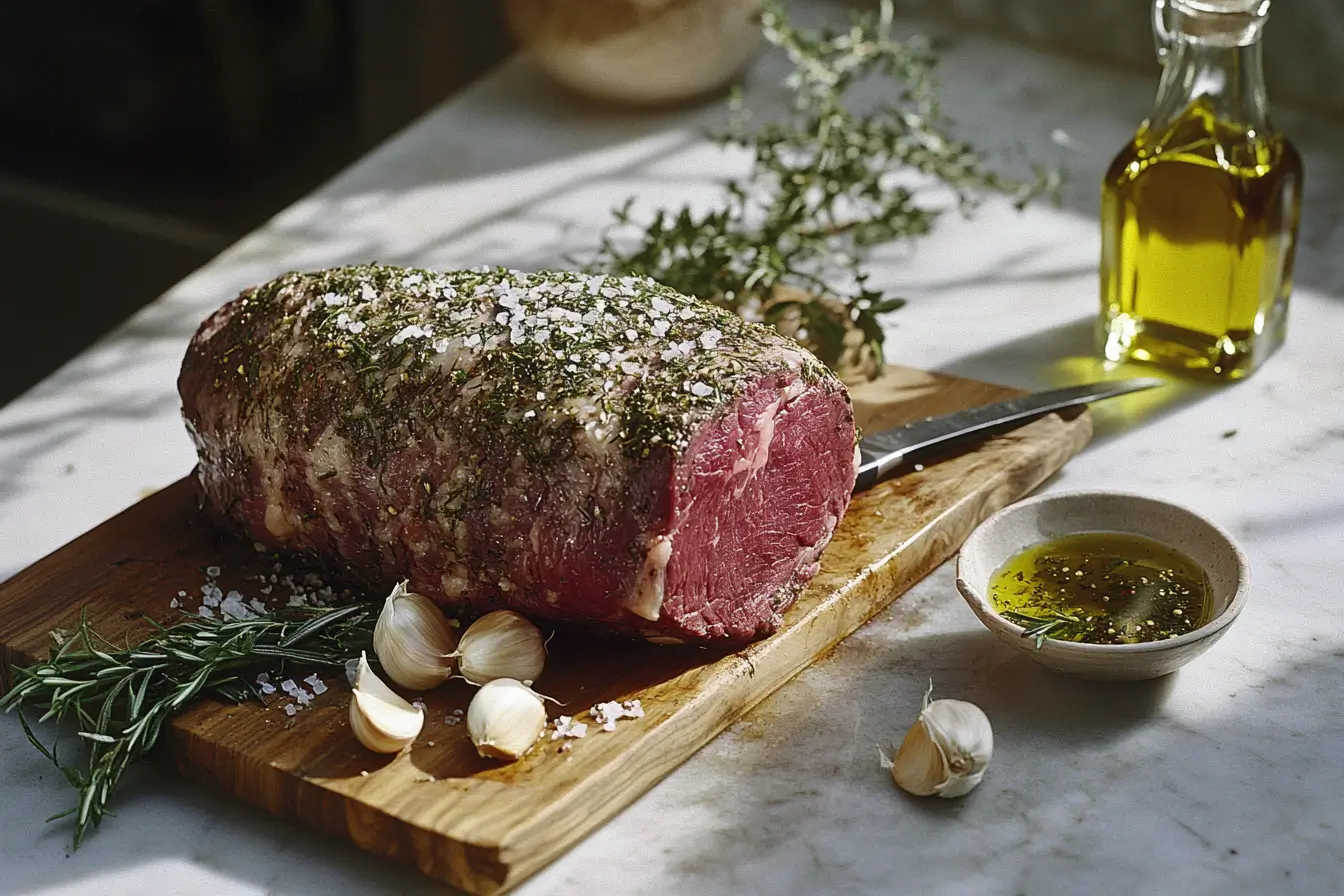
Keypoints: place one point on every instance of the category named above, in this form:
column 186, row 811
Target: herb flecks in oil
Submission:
column 1102, row 588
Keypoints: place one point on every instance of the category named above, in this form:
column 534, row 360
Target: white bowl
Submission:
column 1050, row 516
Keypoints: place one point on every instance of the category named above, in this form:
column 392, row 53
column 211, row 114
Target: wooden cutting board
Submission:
column 478, row 824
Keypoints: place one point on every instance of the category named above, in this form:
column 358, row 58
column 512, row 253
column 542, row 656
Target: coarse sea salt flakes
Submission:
column 206, row 613
column 212, row 571
column 409, row 332
column 174, row 604
column 290, row 709
column 565, row 726
column 700, row 390
column 233, row 607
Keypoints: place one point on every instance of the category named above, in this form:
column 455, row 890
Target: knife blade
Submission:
column 883, row 452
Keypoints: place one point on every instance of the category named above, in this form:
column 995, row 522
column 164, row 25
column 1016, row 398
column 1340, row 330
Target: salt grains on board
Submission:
column 607, row 714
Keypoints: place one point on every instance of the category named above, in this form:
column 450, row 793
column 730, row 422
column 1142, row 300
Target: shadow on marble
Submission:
column 218, row 837
column 1064, row 355
column 1200, row 783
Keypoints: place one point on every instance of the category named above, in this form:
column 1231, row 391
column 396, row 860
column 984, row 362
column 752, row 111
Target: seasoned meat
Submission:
column 583, row 449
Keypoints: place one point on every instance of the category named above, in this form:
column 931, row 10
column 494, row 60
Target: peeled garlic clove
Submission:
column 919, row 766
column 505, row 719
column 414, row 641
column 501, row 644
column 380, row 718
column 946, row 751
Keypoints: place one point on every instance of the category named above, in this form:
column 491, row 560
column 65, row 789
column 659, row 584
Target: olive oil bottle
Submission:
column 1200, row 210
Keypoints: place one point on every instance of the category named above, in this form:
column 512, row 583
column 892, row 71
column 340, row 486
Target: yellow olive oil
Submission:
column 1199, row 222
column 1102, row 588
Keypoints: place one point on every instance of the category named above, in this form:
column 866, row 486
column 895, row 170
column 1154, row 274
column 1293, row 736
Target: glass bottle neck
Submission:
column 1226, row 81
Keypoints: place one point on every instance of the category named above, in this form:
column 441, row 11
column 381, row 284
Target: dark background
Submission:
column 144, row 136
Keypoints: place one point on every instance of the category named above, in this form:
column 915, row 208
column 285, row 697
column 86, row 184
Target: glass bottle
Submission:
column 1200, row 211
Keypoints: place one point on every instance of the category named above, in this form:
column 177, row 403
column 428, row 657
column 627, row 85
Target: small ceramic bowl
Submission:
column 1045, row 517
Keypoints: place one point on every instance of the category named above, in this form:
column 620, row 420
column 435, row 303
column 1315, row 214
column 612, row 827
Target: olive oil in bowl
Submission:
column 1102, row 588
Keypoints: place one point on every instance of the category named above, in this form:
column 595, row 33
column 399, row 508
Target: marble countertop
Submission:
column 1224, row 778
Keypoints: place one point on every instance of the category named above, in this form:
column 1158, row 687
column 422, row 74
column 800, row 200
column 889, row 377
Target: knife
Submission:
column 883, row 452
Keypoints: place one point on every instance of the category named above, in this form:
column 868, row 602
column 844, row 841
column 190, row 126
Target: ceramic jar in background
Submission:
column 639, row 52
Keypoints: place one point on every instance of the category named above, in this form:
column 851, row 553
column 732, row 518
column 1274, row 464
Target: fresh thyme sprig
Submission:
column 120, row 698
column 1051, row 625
column 788, row 243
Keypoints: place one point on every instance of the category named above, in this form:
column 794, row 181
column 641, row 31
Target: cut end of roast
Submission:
column 755, row 500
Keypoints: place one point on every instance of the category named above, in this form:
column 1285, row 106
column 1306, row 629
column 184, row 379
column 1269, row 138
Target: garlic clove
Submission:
column 379, row 717
column 919, row 766
column 505, row 718
column 946, row 751
column 413, row 640
column 501, row 644
column 963, row 734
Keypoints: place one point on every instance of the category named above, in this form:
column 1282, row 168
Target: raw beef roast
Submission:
column 582, row 449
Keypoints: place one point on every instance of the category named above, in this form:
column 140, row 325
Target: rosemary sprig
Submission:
column 788, row 243
column 120, row 698
column 1051, row 625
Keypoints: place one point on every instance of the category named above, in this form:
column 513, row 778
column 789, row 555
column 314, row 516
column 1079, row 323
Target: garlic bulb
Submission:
column 380, row 718
column 413, row 640
column 505, row 718
column 501, row 644
column 946, row 751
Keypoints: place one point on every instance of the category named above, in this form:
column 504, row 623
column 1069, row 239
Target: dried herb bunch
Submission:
column 119, row 698
column 789, row 241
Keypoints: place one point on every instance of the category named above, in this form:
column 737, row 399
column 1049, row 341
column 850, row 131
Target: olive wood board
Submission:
column 482, row 825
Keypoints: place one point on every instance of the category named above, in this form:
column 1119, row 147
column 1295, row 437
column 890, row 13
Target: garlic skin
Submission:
column 946, row 751
column 379, row 717
column 505, row 719
column 413, row 640
column 501, row 644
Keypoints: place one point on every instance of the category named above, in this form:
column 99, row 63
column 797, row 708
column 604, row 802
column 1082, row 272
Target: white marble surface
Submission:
column 1225, row 778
